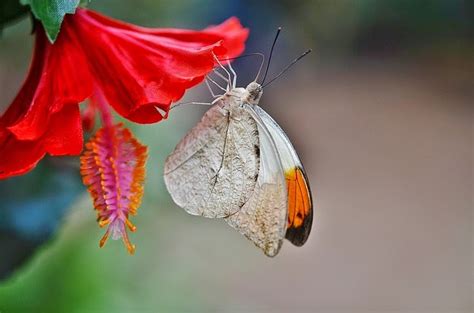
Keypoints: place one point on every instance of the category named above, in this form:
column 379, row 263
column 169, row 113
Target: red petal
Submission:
column 139, row 69
column 63, row 137
column 44, row 116
column 17, row 157
column 58, row 75
column 234, row 36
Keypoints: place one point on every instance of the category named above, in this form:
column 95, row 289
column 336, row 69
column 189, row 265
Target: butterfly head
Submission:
column 255, row 92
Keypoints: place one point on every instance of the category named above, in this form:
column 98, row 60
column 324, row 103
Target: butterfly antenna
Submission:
column 270, row 57
column 288, row 67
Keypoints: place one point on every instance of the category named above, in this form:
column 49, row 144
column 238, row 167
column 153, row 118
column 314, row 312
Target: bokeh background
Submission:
column 382, row 117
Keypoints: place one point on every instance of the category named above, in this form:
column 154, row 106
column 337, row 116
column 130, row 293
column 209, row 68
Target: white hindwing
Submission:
column 212, row 171
column 263, row 219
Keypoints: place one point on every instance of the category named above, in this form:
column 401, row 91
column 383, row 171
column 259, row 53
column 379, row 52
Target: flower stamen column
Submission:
column 113, row 169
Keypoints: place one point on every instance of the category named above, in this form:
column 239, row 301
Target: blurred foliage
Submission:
column 73, row 275
column 10, row 10
column 80, row 277
column 32, row 208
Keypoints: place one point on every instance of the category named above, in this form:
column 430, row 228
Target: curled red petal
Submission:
column 59, row 75
column 63, row 137
column 17, row 157
column 233, row 34
column 139, row 69
column 44, row 116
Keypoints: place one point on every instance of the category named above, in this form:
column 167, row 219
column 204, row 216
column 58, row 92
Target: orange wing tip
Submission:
column 113, row 169
column 300, row 206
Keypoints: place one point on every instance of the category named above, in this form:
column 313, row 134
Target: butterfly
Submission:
column 239, row 165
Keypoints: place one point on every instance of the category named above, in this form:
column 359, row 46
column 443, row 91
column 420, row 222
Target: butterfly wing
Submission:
column 213, row 170
column 263, row 219
column 300, row 204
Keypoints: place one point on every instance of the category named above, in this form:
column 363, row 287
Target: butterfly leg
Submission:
column 215, row 83
column 191, row 102
column 216, row 97
column 234, row 79
column 228, row 82
column 220, row 75
column 229, row 78
column 210, row 89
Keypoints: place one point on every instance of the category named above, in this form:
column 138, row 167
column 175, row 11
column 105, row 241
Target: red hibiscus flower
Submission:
column 137, row 69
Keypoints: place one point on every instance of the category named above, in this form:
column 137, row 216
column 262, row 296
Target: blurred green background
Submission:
column 381, row 114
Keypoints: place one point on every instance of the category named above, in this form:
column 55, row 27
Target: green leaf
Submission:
column 10, row 10
column 51, row 13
